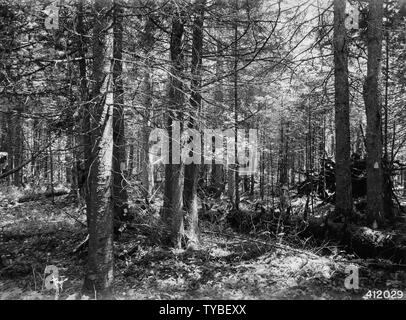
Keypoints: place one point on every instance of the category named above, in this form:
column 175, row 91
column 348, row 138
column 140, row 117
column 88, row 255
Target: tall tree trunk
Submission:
column 387, row 171
column 217, row 172
column 235, row 53
column 120, row 200
column 99, row 276
column 373, row 114
column 147, row 170
column 84, row 123
column 343, row 203
column 174, row 171
column 18, row 145
column 192, row 170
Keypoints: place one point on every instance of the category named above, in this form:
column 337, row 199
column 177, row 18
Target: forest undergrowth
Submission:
column 231, row 263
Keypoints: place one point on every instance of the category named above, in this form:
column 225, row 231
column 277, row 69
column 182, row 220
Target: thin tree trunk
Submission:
column 120, row 200
column 235, row 53
column 217, row 178
column 147, row 170
column 51, row 171
column 84, row 123
column 262, row 168
column 18, row 145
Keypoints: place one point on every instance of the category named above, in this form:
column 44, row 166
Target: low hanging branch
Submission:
column 22, row 165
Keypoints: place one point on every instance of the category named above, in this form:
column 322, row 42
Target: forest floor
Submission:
column 228, row 265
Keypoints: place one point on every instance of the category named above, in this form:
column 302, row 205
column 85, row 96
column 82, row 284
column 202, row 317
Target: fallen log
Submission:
column 360, row 240
column 38, row 196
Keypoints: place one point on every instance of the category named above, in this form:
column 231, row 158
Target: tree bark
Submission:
column 235, row 54
column 387, row 160
column 217, row 172
column 404, row 181
column 99, row 276
column 373, row 114
column 147, row 169
column 343, row 203
column 174, row 171
column 283, row 158
column 192, row 170
column 84, row 123
column 18, row 145
column 120, row 200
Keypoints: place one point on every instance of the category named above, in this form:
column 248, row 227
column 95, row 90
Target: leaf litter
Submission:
column 226, row 265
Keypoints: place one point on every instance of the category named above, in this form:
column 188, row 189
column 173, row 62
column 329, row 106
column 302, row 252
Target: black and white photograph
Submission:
column 202, row 155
